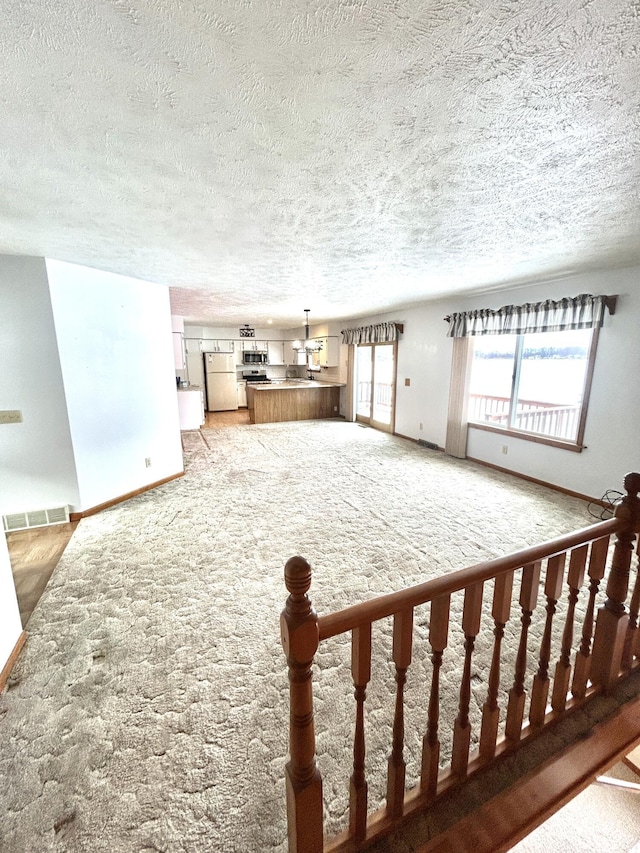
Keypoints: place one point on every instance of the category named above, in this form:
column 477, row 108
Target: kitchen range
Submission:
column 256, row 377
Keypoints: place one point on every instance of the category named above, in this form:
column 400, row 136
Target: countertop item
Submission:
column 298, row 384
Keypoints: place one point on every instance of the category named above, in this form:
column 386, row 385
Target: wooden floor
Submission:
column 34, row 554
column 235, row 418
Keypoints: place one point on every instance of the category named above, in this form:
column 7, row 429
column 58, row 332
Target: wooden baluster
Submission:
column 575, row 579
column 631, row 647
column 299, row 632
column 582, row 663
column 613, row 620
column 438, row 632
column 402, row 639
column 471, row 614
column 636, row 644
column 361, row 672
column 552, row 591
column 502, row 591
column 517, row 694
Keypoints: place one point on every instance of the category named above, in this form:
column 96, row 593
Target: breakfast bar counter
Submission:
column 293, row 400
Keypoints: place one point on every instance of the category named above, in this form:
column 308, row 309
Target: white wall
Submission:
column 10, row 624
column 611, row 434
column 37, row 468
column 116, row 353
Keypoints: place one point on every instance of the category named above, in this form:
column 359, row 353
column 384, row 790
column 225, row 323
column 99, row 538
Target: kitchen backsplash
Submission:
column 328, row 374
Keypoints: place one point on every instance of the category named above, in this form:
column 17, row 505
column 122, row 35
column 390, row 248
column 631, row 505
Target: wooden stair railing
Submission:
column 608, row 649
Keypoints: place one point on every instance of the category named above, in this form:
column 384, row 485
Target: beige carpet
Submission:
column 149, row 708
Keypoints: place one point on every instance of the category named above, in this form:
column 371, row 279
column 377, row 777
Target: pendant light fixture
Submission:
column 308, row 345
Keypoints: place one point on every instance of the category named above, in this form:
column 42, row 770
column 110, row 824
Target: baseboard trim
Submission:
column 526, row 477
column 529, row 479
column 6, row 671
column 76, row 516
column 416, row 441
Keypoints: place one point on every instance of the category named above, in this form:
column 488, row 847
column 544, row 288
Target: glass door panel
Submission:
column 383, row 372
column 364, row 374
column 375, row 385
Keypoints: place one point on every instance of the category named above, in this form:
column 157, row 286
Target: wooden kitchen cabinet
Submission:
column 291, row 401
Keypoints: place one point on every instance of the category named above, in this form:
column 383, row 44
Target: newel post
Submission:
column 299, row 632
column 613, row 616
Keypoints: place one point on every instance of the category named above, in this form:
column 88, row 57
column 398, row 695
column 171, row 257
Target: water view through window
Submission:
column 534, row 382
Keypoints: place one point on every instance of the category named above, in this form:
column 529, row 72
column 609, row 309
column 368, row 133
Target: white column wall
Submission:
column 10, row 624
column 37, row 468
column 116, row 353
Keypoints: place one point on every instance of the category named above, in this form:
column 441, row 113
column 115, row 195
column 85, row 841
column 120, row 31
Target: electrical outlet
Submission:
column 505, row 449
column 147, row 462
column 420, row 426
column 335, row 408
column 11, row 416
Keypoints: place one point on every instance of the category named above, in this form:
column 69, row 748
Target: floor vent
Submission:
column 428, row 444
column 37, row 518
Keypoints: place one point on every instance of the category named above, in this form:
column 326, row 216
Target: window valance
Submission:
column 380, row 333
column 578, row 312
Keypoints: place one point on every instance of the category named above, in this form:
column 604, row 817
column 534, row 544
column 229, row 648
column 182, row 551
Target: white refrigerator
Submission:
column 220, row 381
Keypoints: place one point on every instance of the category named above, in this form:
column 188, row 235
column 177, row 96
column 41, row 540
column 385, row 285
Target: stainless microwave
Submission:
column 254, row 357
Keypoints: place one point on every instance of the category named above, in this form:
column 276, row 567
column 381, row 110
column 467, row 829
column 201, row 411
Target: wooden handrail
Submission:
column 604, row 649
column 387, row 605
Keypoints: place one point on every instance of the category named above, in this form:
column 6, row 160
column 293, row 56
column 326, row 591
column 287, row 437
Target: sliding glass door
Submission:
column 375, row 369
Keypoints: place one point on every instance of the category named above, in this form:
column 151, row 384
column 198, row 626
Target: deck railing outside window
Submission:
column 383, row 394
column 559, row 421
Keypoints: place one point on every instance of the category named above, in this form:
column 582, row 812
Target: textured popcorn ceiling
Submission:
column 345, row 156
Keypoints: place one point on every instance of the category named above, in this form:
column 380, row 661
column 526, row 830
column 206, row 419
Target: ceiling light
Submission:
column 308, row 345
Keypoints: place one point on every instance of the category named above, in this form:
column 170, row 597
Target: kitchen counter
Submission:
column 293, row 400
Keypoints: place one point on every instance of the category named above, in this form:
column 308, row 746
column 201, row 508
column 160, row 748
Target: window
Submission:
column 535, row 383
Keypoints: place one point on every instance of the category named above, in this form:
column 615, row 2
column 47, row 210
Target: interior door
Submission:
column 375, row 384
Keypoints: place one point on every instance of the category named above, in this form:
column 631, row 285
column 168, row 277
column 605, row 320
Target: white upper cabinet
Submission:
column 194, row 345
column 329, row 355
column 249, row 344
column 275, row 352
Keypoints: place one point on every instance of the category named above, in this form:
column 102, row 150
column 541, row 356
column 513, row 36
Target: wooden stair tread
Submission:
column 511, row 815
column 632, row 760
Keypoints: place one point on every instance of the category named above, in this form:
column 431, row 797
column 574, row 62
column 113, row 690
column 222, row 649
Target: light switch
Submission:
column 407, row 382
